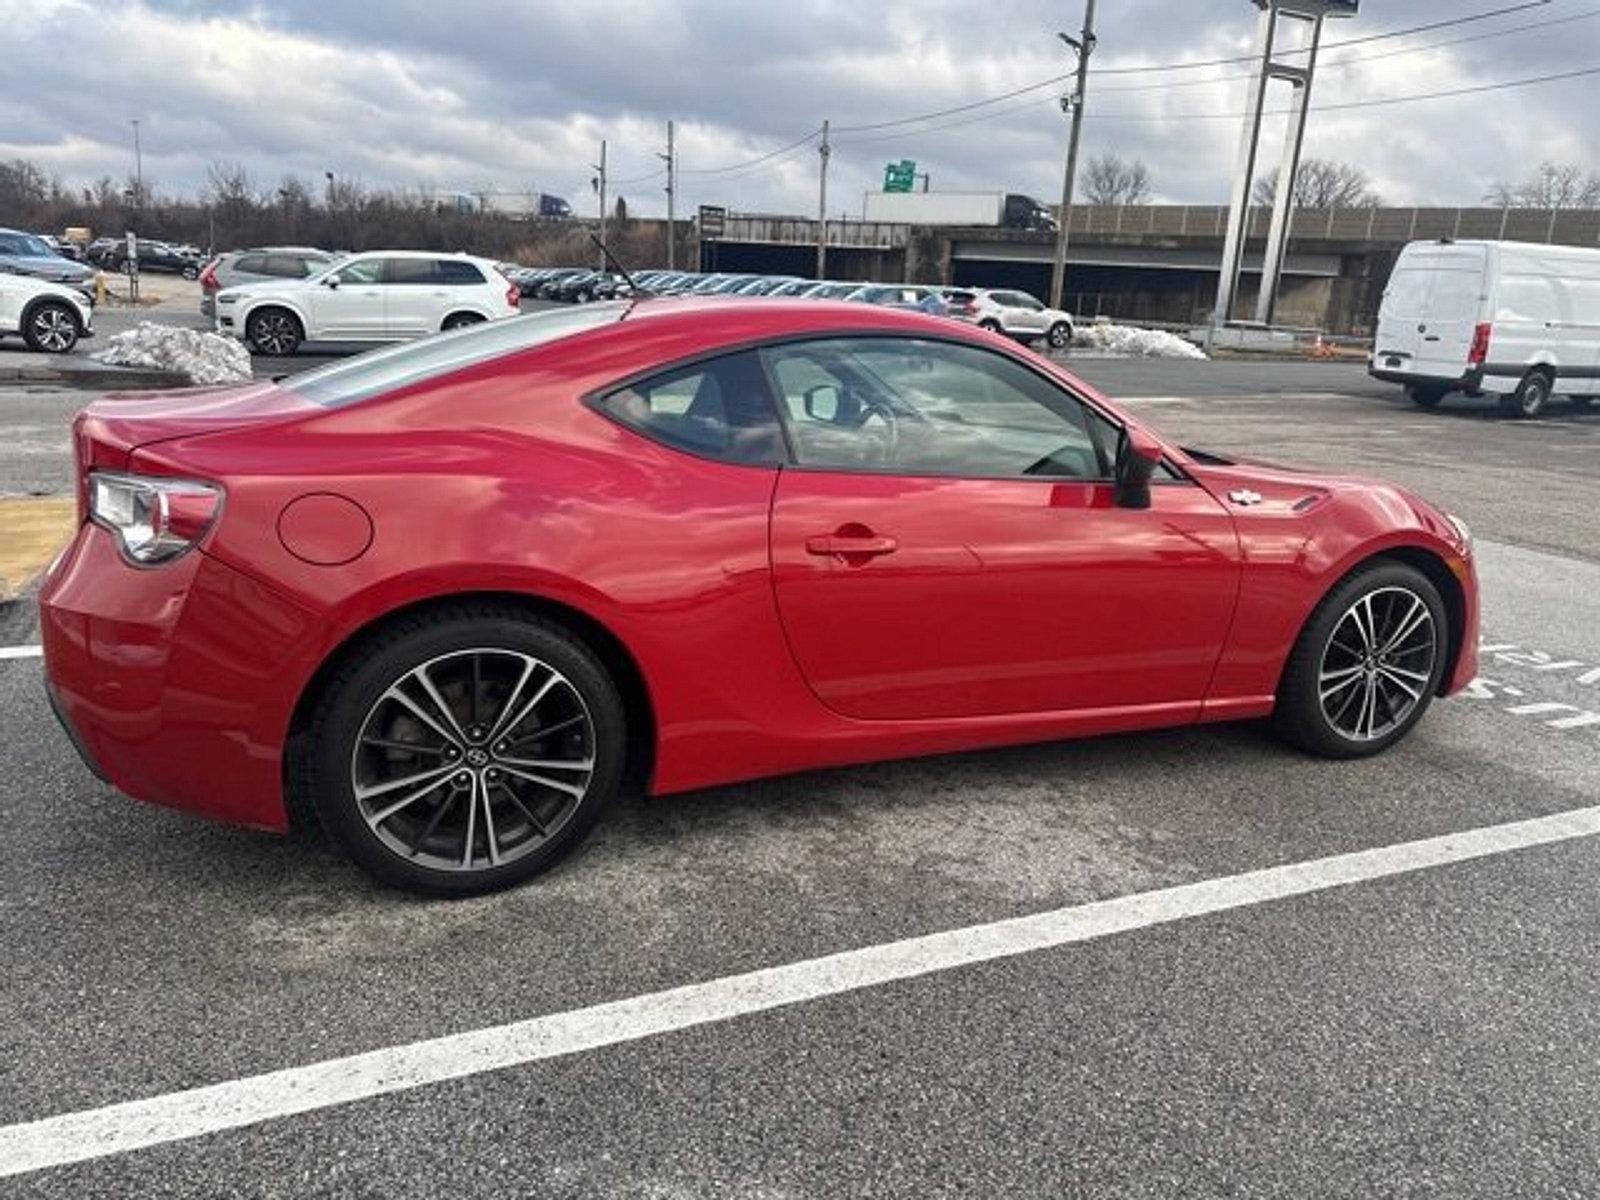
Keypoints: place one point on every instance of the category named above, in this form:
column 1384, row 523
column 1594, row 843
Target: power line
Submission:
column 754, row 162
column 1056, row 80
column 1348, row 105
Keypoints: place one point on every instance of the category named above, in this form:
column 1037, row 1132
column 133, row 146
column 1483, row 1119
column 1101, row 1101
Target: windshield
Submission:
column 393, row 367
column 34, row 245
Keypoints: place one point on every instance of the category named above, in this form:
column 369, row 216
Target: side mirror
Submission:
column 822, row 402
column 332, row 281
column 1137, row 459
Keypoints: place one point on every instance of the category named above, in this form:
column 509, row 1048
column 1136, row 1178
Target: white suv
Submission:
column 51, row 317
column 1013, row 313
column 378, row 296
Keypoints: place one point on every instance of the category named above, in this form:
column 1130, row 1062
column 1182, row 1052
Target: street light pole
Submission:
column 600, row 186
column 138, row 166
column 1084, row 45
column 822, row 206
column 672, row 195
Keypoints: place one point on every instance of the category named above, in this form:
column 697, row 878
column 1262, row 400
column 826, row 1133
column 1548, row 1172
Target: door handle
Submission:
column 1432, row 337
column 847, row 547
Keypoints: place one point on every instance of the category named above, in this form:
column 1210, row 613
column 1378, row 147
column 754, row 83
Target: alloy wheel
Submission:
column 274, row 333
column 1378, row 664
column 54, row 330
column 473, row 760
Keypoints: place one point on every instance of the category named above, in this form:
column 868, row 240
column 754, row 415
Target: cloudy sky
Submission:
column 517, row 94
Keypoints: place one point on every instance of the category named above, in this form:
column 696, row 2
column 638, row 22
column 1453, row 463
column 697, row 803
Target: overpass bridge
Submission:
column 1147, row 262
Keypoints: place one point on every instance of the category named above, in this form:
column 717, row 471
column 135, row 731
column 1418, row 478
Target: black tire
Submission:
column 991, row 325
column 326, row 777
column 1531, row 396
column 1426, row 397
column 461, row 321
column 51, row 328
column 191, row 272
column 274, row 332
column 1299, row 717
column 1060, row 335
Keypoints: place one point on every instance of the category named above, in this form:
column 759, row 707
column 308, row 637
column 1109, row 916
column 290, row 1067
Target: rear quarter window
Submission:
column 449, row 270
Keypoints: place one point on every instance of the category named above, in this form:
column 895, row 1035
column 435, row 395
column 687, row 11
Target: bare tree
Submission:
column 230, row 192
column 1110, row 179
column 1552, row 185
column 1323, row 183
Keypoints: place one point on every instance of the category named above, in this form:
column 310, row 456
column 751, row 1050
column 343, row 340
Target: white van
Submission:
column 1508, row 319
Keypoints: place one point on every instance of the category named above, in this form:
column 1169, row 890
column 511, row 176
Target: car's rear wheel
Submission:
column 51, row 328
column 191, row 272
column 275, row 332
column 1060, row 334
column 1426, row 397
column 461, row 321
column 466, row 750
column 990, row 324
column 1367, row 664
column 1531, row 396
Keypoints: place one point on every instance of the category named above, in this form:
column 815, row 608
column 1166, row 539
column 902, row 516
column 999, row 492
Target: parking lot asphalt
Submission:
column 1430, row 1032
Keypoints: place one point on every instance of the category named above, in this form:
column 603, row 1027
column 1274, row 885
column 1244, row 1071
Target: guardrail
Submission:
column 1571, row 227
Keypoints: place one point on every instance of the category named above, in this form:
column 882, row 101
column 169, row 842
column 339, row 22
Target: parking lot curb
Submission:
column 93, row 376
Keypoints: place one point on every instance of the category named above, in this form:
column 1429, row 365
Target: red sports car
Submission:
column 451, row 596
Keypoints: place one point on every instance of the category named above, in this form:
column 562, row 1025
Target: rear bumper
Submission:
column 176, row 683
column 1468, row 381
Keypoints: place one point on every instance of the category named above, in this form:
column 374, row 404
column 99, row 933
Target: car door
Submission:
column 348, row 304
column 11, row 300
column 947, row 542
column 416, row 297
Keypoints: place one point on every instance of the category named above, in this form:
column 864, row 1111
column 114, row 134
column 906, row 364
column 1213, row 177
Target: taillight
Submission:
column 1479, row 354
column 208, row 277
column 155, row 520
column 513, row 295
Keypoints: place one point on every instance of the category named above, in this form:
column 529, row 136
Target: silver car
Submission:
column 29, row 254
column 255, row 266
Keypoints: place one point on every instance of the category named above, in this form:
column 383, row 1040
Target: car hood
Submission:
column 56, row 270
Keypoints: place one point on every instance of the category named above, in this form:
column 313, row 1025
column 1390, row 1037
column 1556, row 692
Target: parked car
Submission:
column 1517, row 321
column 793, row 287
column 381, row 295
column 828, row 290
column 575, row 287
column 253, row 266
column 51, row 317
column 62, row 247
column 556, row 281
column 1016, row 314
column 902, row 295
column 97, row 250
column 450, row 596
column 156, row 256
column 28, row 254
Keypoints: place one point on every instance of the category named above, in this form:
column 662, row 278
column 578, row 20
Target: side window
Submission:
column 251, row 264
column 285, row 266
column 449, row 270
column 718, row 409
column 914, row 407
column 365, row 270
column 411, row 270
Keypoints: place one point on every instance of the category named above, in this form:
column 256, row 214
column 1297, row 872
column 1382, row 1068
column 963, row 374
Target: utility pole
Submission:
column 672, row 194
column 1084, row 45
column 600, row 186
column 822, row 206
column 138, row 167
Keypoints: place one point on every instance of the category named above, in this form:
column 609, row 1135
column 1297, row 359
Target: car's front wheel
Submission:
column 465, row 750
column 51, row 328
column 1060, row 335
column 461, row 321
column 275, row 332
column 1367, row 664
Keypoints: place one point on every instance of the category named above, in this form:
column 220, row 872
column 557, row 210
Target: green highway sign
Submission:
column 900, row 176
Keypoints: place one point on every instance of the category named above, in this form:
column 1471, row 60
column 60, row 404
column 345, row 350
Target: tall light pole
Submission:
column 1084, row 45
column 672, row 195
column 1299, row 77
column 600, row 187
column 138, row 166
column 822, row 205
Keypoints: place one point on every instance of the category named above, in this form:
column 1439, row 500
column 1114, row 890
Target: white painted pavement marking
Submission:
column 21, row 651
column 135, row 1124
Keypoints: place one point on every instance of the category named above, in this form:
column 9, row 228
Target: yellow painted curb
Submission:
column 31, row 531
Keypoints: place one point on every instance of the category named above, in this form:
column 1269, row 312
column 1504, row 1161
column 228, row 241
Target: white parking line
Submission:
column 132, row 1125
column 21, row 651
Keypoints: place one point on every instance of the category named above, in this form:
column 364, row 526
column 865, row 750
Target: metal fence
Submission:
column 1570, row 227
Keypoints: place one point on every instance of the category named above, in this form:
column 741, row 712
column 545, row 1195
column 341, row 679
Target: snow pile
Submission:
column 1129, row 341
column 203, row 357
